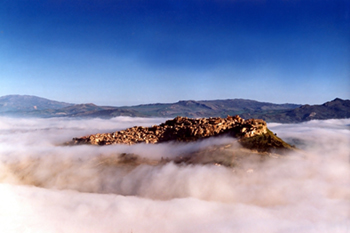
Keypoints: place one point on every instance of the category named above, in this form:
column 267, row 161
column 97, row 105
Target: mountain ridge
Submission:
column 33, row 106
column 9, row 103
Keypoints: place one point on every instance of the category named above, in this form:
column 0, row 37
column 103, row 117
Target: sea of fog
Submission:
column 48, row 187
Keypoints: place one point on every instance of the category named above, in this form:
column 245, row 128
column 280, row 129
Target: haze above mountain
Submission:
column 33, row 106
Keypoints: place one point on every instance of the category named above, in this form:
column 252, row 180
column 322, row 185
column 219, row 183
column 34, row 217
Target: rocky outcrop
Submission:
column 180, row 129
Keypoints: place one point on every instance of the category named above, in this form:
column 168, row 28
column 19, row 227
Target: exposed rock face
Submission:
column 180, row 129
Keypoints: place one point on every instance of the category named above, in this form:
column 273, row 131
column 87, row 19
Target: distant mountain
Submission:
column 208, row 108
column 19, row 103
column 32, row 106
column 92, row 110
column 334, row 109
column 73, row 110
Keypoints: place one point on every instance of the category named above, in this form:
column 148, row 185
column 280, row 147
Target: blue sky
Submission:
column 126, row 52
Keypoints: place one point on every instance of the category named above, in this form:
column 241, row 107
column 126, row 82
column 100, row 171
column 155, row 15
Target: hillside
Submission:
column 208, row 108
column 335, row 109
column 21, row 103
column 32, row 106
column 253, row 137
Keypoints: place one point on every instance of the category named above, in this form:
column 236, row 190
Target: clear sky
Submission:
column 126, row 52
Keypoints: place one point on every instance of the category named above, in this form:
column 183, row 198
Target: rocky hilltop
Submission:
column 252, row 133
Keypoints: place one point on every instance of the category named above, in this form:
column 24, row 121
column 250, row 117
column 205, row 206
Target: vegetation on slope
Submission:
column 268, row 142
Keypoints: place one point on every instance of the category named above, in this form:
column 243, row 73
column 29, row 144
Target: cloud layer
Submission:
column 46, row 187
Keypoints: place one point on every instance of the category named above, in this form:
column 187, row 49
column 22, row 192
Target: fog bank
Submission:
column 47, row 187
